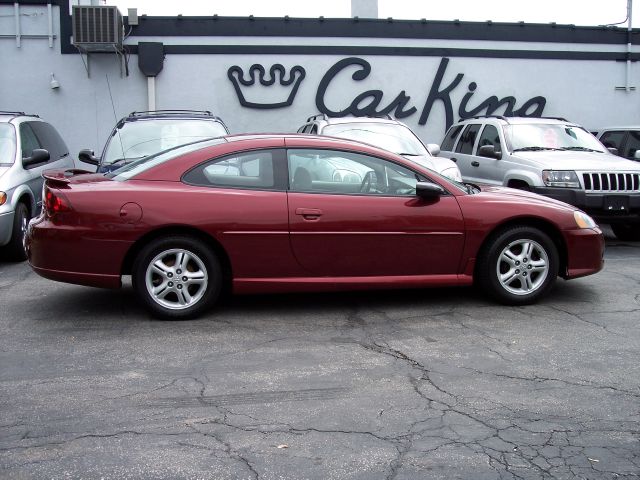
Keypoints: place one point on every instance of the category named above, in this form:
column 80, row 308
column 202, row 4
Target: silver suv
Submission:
column 386, row 133
column 28, row 146
column 552, row 157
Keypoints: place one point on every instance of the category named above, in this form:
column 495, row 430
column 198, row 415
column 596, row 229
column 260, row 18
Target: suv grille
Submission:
column 611, row 182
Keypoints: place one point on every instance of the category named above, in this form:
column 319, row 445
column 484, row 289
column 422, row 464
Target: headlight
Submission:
column 560, row 178
column 3, row 198
column 453, row 173
column 583, row 220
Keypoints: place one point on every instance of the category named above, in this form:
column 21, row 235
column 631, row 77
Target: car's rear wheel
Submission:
column 626, row 232
column 177, row 277
column 518, row 265
column 15, row 248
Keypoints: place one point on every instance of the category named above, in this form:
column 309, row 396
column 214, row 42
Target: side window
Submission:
column 253, row 170
column 613, row 140
column 28, row 140
column 332, row 171
column 450, row 138
column 490, row 136
column 632, row 146
column 50, row 140
column 314, row 129
column 468, row 138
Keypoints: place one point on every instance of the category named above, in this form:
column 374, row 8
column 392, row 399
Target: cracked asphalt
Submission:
column 434, row 384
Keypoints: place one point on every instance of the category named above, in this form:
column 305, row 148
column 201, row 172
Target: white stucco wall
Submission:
column 81, row 109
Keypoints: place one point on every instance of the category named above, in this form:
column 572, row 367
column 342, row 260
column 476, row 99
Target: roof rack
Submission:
column 501, row 117
column 554, row 118
column 171, row 112
column 6, row 112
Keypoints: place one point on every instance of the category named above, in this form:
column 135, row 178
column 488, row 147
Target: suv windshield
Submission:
column 534, row 137
column 7, row 144
column 144, row 137
column 392, row 137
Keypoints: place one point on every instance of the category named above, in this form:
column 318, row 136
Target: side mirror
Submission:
column 87, row 156
column 428, row 190
column 489, row 151
column 434, row 149
column 613, row 150
column 636, row 155
column 38, row 156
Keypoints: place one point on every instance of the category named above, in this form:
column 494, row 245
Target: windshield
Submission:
column 138, row 166
column 392, row 137
column 7, row 144
column 142, row 138
column 551, row 137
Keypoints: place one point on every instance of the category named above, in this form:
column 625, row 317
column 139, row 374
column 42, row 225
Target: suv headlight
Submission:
column 560, row 178
column 583, row 220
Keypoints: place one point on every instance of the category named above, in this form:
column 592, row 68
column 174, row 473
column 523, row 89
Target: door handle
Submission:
column 475, row 164
column 309, row 213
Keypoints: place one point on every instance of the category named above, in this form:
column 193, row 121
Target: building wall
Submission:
column 575, row 80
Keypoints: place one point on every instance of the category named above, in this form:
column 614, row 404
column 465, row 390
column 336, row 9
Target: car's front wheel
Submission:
column 177, row 277
column 15, row 248
column 518, row 265
column 625, row 232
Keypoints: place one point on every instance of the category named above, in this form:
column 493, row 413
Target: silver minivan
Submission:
column 28, row 146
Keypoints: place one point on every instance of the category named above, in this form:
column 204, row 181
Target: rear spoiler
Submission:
column 61, row 177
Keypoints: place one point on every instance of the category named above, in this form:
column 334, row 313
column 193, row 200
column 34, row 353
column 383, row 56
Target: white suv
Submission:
column 552, row 157
column 386, row 133
column 28, row 146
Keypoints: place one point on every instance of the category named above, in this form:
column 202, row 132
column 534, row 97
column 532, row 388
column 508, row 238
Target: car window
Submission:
column 468, row 138
column 490, row 136
column 50, row 140
column 338, row 172
column 7, row 144
column 314, row 130
column 450, row 138
column 28, row 140
column 253, row 170
column 613, row 140
column 632, row 146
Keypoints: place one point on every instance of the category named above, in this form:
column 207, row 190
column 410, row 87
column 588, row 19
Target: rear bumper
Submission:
column 74, row 255
column 585, row 249
column 6, row 227
column 604, row 207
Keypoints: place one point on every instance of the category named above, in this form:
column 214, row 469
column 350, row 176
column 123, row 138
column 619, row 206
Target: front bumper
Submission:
column 6, row 227
column 605, row 207
column 585, row 252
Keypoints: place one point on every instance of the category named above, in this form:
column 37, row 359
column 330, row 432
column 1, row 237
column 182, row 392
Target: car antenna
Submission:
column 114, row 115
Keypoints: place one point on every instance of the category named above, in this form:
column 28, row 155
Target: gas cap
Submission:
column 131, row 212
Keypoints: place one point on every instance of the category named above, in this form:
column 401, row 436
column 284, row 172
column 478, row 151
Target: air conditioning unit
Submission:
column 97, row 28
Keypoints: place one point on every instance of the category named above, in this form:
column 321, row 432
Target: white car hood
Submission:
column 581, row 161
column 438, row 164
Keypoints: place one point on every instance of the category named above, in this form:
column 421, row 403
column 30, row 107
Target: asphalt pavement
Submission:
column 433, row 384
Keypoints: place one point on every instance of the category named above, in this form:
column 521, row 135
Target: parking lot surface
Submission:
column 436, row 384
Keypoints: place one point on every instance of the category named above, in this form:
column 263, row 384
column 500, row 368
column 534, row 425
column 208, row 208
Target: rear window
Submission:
column 137, row 167
column 7, row 144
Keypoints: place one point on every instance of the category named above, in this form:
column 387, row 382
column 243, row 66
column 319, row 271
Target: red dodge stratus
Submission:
column 273, row 213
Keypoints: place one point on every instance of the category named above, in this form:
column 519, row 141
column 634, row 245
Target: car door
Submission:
column 490, row 170
column 357, row 215
column 463, row 154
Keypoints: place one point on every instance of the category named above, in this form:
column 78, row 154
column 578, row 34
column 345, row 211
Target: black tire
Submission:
column 529, row 279
column 15, row 248
column 175, row 304
column 625, row 232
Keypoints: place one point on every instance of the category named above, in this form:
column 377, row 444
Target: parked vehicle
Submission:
column 386, row 133
column 28, row 146
column 140, row 134
column 625, row 141
column 552, row 157
column 246, row 212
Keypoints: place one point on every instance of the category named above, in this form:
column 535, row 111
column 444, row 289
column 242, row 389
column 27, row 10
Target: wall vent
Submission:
column 97, row 28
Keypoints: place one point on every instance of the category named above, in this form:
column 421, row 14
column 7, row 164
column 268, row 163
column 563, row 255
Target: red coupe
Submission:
column 273, row 213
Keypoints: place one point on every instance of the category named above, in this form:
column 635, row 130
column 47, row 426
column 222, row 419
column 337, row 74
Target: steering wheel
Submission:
column 369, row 179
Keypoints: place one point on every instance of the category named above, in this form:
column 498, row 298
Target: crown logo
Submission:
column 258, row 97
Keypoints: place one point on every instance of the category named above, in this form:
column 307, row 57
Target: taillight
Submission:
column 55, row 202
